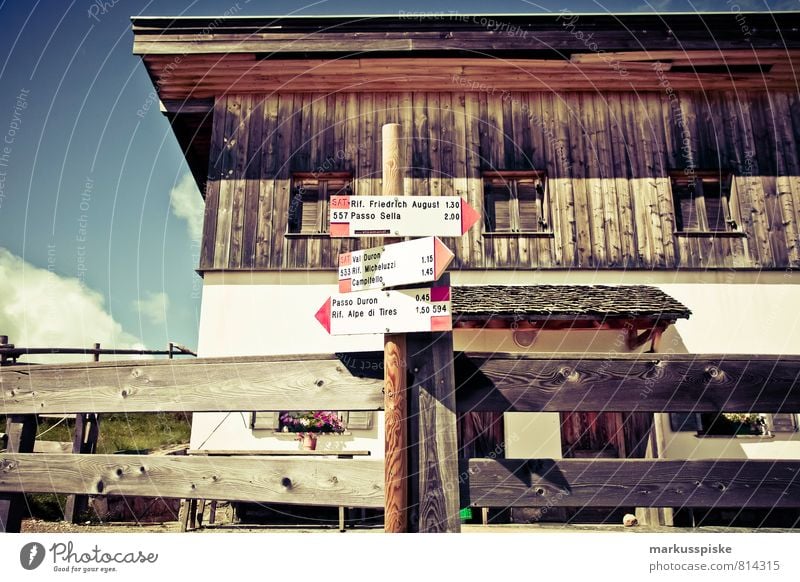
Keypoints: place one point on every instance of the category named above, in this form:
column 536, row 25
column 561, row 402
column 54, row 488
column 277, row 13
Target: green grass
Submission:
column 119, row 433
column 122, row 432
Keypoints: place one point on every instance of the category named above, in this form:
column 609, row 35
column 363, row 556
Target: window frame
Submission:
column 512, row 178
column 694, row 183
column 323, row 199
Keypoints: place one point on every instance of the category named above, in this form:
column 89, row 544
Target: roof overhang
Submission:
column 193, row 60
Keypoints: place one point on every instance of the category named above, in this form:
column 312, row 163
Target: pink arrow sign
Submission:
column 421, row 260
column 400, row 216
column 378, row 312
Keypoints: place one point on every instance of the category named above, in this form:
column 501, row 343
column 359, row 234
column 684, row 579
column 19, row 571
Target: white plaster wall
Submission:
column 245, row 317
column 273, row 314
column 735, row 319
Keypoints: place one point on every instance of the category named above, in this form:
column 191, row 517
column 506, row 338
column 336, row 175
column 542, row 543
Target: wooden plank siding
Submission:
column 607, row 157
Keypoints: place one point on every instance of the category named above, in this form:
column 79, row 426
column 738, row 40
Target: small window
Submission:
column 308, row 206
column 272, row 420
column 515, row 202
column 722, row 424
column 703, row 203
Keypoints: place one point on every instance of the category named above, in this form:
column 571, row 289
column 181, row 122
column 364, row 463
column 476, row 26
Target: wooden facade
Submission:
column 607, row 157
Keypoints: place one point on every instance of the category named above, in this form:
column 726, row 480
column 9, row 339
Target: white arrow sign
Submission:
column 416, row 261
column 400, row 216
column 401, row 311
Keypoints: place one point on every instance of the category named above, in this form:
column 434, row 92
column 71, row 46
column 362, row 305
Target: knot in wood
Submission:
column 7, row 465
column 319, row 383
column 568, row 374
column 135, row 373
column 286, row 483
column 714, row 373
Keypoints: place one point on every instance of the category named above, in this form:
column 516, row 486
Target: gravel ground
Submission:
column 39, row 526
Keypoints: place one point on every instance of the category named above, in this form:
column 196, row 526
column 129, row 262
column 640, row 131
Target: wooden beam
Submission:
column 21, row 434
column 396, row 435
column 628, row 383
column 202, row 385
column 394, row 349
column 434, row 444
column 178, row 106
column 256, row 479
column 630, row 483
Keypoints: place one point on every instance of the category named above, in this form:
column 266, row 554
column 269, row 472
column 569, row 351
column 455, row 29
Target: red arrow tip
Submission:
column 469, row 216
column 442, row 257
column 324, row 315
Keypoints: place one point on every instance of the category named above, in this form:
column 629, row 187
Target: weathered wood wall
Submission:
column 607, row 157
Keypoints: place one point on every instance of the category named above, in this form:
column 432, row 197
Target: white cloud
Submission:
column 153, row 307
column 187, row 204
column 39, row 308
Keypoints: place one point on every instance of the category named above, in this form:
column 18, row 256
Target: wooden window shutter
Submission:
column 685, row 422
column 715, row 213
column 685, row 206
column 783, row 422
column 359, row 420
column 311, row 206
column 498, row 207
column 529, row 206
column 265, row 421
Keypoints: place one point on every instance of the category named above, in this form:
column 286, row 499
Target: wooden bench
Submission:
column 191, row 513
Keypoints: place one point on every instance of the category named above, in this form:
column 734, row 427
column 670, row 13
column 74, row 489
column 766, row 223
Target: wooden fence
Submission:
column 439, row 484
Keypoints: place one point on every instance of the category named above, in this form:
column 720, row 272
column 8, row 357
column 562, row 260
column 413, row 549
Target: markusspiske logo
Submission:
column 31, row 555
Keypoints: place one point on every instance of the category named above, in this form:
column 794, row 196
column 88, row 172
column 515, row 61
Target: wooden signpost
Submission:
column 427, row 499
column 401, row 216
column 416, row 261
column 401, row 311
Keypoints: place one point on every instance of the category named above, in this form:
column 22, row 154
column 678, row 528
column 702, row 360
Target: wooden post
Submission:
column 84, row 440
column 4, row 344
column 395, row 414
column 21, row 430
column 394, row 357
column 433, row 439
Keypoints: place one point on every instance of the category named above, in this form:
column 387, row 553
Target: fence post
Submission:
column 4, row 344
column 21, row 430
column 394, row 357
column 84, row 441
column 433, row 436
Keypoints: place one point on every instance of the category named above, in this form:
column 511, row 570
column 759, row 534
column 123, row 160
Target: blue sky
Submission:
column 98, row 220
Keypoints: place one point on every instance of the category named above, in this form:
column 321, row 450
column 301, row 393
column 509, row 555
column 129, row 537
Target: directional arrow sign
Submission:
column 409, row 310
column 416, row 261
column 401, row 216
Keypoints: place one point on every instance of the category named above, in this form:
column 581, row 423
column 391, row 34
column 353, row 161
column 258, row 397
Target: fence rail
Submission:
column 494, row 382
column 200, row 385
column 236, row 478
column 627, row 383
column 630, row 482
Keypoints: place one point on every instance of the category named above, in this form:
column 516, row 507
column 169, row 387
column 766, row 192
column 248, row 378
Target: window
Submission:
column 308, row 206
column 515, row 202
column 718, row 424
column 271, row 420
column 703, row 202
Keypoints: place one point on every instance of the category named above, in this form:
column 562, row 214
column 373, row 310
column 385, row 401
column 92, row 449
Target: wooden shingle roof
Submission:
column 533, row 302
